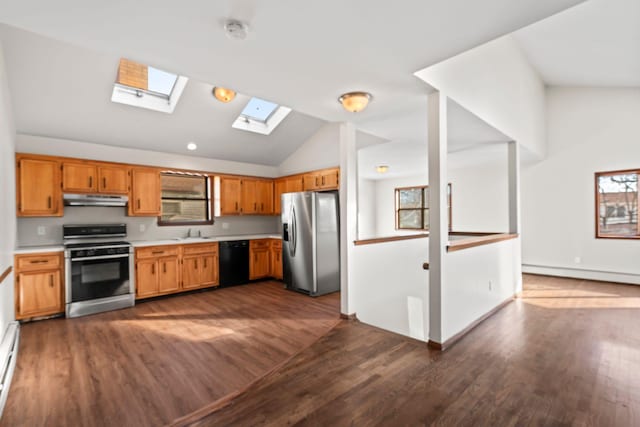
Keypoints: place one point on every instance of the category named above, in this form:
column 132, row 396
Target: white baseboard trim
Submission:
column 579, row 273
column 8, row 357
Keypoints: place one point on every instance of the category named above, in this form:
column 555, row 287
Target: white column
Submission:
column 348, row 209
column 438, row 216
column 515, row 223
column 514, row 187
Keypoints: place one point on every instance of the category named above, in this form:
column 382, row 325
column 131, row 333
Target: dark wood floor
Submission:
column 566, row 353
column 161, row 360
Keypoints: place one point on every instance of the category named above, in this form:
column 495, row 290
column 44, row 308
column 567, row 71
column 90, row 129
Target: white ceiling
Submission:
column 596, row 43
column 63, row 91
column 470, row 141
column 302, row 56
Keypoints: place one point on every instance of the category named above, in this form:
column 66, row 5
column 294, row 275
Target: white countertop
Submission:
column 142, row 243
column 38, row 249
column 186, row 241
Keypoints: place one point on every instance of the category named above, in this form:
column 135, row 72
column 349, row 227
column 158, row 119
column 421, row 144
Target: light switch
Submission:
column 42, row 230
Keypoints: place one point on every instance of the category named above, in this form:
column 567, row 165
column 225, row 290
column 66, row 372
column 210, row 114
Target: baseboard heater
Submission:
column 8, row 356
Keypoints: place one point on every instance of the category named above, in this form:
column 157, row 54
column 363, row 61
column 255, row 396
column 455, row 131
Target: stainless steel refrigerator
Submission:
column 311, row 242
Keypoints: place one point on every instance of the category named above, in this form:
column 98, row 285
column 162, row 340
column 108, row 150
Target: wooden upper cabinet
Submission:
column 230, row 192
column 113, row 179
column 249, row 196
column 79, row 178
column 330, row 179
column 38, row 187
column 325, row 179
column 264, row 197
column 145, row 192
column 290, row 184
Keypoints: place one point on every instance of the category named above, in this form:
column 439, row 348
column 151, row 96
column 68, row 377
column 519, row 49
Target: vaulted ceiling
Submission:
column 302, row 55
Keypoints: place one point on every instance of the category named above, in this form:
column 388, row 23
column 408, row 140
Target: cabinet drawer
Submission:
column 276, row 243
column 38, row 261
column 257, row 244
column 206, row 248
column 157, row 251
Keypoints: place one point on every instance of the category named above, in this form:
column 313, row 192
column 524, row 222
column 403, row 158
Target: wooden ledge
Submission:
column 479, row 241
column 6, row 273
column 389, row 239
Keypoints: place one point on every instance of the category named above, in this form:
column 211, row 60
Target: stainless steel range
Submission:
column 98, row 269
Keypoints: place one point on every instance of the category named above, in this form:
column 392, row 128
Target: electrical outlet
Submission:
column 142, row 228
column 42, row 230
column 577, row 260
column 225, row 225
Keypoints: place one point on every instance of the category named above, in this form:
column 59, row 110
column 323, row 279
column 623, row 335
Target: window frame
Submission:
column 210, row 199
column 598, row 234
column 421, row 209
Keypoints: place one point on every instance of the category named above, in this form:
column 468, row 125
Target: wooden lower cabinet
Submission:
column 276, row 258
column 164, row 270
column 259, row 262
column 39, row 289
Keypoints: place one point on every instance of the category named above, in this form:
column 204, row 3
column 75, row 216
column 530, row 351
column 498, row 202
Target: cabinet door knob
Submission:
column 138, row 203
column 49, row 202
column 51, row 280
column 104, row 182
column 164, row 267
column 90, row 181
column 205, row 263
column 196, row 263
column 153, row 269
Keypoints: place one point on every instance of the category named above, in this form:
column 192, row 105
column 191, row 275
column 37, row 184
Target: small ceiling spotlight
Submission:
column 191, row 146
column 355, row 101
column 382, row 168
column 223, row 94
column 235, row 29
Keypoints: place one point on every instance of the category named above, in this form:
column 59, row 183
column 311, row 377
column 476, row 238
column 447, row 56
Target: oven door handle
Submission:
column 89, row 258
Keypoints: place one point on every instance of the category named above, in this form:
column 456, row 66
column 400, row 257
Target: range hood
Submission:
column 94, row 200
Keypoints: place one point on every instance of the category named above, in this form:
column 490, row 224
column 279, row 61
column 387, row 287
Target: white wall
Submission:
column 67, row 148
column 480, row 197
column 366, row 208
column 389, row 287
column 477, row 280
column 496, row 82
column 7, row 199
column 590, row 130
column 320, row 151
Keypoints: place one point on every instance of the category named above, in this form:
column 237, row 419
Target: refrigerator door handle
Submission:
column 293, row 233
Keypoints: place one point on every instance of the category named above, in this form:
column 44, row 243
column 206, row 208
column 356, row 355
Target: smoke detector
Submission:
column 236, row 30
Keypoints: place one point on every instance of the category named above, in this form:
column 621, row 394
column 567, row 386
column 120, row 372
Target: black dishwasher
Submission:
column 234, row 262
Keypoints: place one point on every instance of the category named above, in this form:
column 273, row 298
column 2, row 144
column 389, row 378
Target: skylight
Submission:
column 142, row 86
column 161, row 81
column 259, row 110
column 261, row 116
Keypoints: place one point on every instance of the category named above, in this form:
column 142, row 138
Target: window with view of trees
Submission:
column 186, row 199
column 412, row 207
column 617, row 204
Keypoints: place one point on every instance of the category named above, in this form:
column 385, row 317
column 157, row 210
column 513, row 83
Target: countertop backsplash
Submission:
column 138, row 228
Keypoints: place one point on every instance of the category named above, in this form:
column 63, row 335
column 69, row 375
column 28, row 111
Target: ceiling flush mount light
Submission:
column 355, row 101
column 382, row 168
column 223, row 94
column 191, row 146
column 236, row 30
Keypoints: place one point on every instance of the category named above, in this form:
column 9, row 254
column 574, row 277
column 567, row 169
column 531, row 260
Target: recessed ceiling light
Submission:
column 382, row 168
column 223, row 94
column 191, row 146
column 355, row 101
